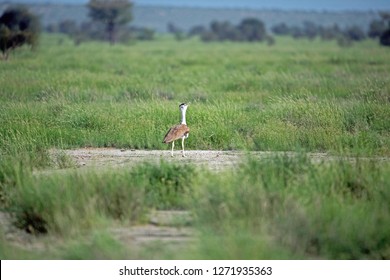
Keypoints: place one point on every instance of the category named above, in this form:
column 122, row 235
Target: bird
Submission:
column 178, row 131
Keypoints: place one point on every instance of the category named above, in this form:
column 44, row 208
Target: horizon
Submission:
column 330, row 5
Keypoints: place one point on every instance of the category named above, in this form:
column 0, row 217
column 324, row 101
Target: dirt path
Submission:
column 168, row 229
column 108, row 157
column 215, row 160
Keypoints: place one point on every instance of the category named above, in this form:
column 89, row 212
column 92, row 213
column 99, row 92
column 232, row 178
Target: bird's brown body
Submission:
column 176, row 132
column 180, row 131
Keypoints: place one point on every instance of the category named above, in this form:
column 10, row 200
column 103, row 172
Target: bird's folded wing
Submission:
column 176, row 132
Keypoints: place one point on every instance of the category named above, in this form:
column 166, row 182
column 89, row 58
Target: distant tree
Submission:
column 330, row 32
column 68, row 27
column 217, row 26
column 17, row 27
column 172, row 28
column 252, row 29
column 219, row 31
column 249, row 29
column 297, row 32
column 51, row 28
column 197, row 30
column 281, row 29
column 355, row 33
column 208, row 36
column 224, row 31
column 176, row 31
column 385, row 38
column 377, row 27
column 142, row 33
column 310, row 29
column 344, row 41
column 113, row 13
column 385, row 16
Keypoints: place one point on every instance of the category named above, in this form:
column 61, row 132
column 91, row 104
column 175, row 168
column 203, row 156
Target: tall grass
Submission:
column 279, row 208
column 68, row 203
column 286, row 124
column 290, row 208
column 312, row 96
column 77, row 208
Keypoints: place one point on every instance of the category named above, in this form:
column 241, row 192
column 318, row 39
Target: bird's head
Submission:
column 183, row 107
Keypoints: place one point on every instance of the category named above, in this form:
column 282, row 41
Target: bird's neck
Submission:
column 183, row 117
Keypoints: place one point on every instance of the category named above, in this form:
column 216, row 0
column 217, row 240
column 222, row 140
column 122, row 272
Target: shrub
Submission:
column 17, row 27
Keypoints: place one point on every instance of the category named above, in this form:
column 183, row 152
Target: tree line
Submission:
column 95, row 31
column 378, row 29
column 252, row 29
column 109, row 21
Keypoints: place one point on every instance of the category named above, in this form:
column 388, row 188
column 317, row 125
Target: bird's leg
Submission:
column 182, row 146
column 173, row 145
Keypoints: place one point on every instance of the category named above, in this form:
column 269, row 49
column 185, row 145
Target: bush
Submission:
column 249, row 30
column 68, row 203
column 355, row 33
column 18, row 27
column 377, row 27
column 166, row 185
column 385, row 38
column 252, row 30
column 344, row 42
column 281, row 29
column 288, row 207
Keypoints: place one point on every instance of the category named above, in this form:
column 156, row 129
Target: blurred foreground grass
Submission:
column 277, row 208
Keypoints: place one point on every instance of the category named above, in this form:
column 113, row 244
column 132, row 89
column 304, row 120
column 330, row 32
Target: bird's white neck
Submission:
column 183, row 117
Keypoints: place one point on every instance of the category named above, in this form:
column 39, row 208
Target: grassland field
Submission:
column 297, row 95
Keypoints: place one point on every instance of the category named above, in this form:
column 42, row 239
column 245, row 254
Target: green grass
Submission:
column 63, row 202
column 313, row 96
column 291, row 208
column 277, row 208
column 308, row 96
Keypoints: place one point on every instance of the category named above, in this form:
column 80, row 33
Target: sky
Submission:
column 331, row 5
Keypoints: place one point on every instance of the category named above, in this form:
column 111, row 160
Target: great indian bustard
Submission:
column 178, row 131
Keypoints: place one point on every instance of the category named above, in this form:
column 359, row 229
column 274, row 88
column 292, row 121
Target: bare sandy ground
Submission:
column 168, row 229
column 215, row 160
